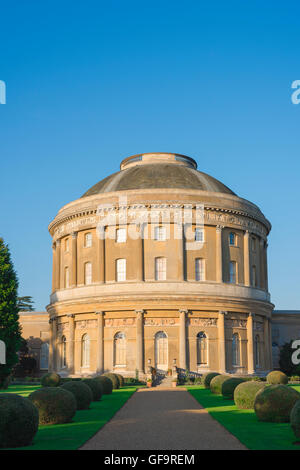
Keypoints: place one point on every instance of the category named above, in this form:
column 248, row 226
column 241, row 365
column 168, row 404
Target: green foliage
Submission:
column 217, row 382
column 285, row 360
column 27, row 363
column 295, row 419
column 106, row 383
column 81, row 392
column 277, row 377
column 207, row 378
column 114, row 378
column 19, row 420
column 25, row 304
column 121, row 379
column 96, row 388
column 55, row 405
column 10, row 331
column 244, row 394
column 51, row 380
column 274, row 403
column 295, row 378
column 229, row 386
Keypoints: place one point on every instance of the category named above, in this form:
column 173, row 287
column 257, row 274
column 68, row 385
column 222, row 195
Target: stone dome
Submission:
column 158, row 170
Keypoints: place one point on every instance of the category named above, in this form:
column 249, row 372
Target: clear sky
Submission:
column 90, row 83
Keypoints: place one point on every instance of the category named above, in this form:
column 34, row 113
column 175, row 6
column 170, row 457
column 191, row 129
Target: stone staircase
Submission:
column 164, row 382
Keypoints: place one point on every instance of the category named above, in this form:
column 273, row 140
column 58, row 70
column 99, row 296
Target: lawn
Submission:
column 244, row 425
column 85, row 424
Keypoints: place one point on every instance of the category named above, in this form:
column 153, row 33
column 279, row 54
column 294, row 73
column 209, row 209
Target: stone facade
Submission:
column 218, row 318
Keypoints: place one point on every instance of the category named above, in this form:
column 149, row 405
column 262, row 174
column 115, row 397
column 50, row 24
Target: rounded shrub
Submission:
column 114, row 378
column 274, row 403
column 217, row 382
column 229, row 386
column 121, row 379
column 277, row 377
column 244, row 394
column 207, row 378
column 106, row 383
column 55, row 405
column 96, row 388
column 51, row 380
column 81, row 392
column 295, row 419
column 19, row 420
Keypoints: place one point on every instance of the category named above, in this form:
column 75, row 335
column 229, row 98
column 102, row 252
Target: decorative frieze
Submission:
column 258, row 326
column 235, row 323
column 119, row 322
column 203, row 322
column 86, row 324
column 61, row 327
column 161, row 321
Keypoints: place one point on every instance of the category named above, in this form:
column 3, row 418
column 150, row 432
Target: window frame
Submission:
column 160, row 273
column 88, row 240
column 120, row 274
column 200, row 273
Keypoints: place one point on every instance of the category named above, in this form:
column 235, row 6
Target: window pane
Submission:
column 121, row 270
column 199, row 235
column 88, row 273
column 160, row 269
column 201, row 348
column 232, row 272
column 199, row 269
column 88, row 240
column 160, row 233
column 235, row 350
column 121, row 235
column 232, row 238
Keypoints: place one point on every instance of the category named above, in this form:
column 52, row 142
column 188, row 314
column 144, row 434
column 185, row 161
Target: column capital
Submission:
column 247, row 233
column 58, row 242
column 74, row 234
column 219, row 228
column 140, row 312
column 251, row 315
column 71, row 315
column 99, row 312
column 223, row 312
column 183, row 310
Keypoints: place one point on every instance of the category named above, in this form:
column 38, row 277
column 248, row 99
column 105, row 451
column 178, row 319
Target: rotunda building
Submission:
column 160, row 265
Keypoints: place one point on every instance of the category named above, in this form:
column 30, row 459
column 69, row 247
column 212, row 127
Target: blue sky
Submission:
column 90, row 83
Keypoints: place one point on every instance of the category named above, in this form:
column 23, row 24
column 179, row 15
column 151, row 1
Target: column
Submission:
column 219, row 254
column 50, row 359
column 101, row 259
column 246, row 259
column 266, row 266
column 54, row 346
column 74, row 259
column 270, row 344
column 57, row 270
column 100, row 342
column 266, row 343
column 53, row 269
column 140, row 254
column 182, row 339
column 262, row 263
column 222, row 343
column 71, row 343
column 139, row 340
column 250, row 344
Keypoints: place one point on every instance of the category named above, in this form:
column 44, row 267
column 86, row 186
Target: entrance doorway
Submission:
column 161, row 351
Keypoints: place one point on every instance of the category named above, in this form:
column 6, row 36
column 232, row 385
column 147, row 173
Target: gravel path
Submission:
column 165, row 419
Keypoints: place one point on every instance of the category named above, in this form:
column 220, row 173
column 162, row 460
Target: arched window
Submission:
column 232, row 238
column 88, row 240
column 160, row 269
column 120, row 269
column 85, row 351
column 161, row 350
column 120, row 350
column 160, row 233
column 63, row 352
column 235, row 350
column 88, row 273
column 199, row 269
column 201, row 348
column 44, row 356
column 67, row 278
column 256, row 351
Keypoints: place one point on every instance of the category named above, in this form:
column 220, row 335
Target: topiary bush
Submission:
column 207, row 378
column 106, row 383
column 96, row 388
column 81, row 392
column 217, row 382
column 114, row 378
column 121, row 379
column 19, row 420
column 244, row 394
column 277, row 377
column 229, row 386
column 51, row 380
column 55, row 405
column 295, row 419
column 274, row 403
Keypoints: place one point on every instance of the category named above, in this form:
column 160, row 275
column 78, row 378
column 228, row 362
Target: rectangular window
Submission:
column 232, row 239
column 88, row 273
column 120, row 270
column 232, row 272
column 199, row 235
column 88, row 240
column 253, row 276
column 160, row 269
column 199, row 269
column 121, row 235
column 160, row 233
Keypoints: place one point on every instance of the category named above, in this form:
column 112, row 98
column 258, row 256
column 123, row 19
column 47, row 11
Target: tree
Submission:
column 10, row 331
column 25, row 304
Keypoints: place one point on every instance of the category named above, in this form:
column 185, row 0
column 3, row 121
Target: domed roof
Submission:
column 158, row 170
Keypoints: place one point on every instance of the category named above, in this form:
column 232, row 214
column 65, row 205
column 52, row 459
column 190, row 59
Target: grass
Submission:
column 243, row 424
column 85, row 424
